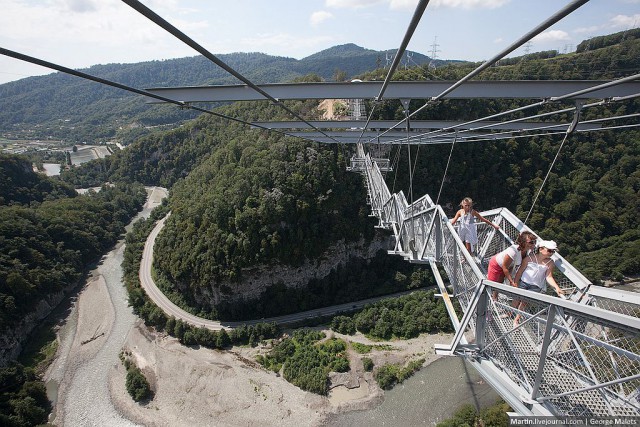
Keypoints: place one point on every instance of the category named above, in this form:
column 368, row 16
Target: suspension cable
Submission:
column 484, row 139
column 417, row 15
column 446, row 168
column 157, row 19
column 406, row 112
column 106, row 82
column 570, row 130
column 528, row 36
column 538, row 104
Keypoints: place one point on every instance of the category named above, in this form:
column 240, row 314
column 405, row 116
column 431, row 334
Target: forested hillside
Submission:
column 589, row 203
column 70, row 108
column 19, row 185
column 50, row 234
column 245, row 196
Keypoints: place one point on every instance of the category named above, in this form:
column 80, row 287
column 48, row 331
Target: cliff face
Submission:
column 256, row 280
column 12, row 340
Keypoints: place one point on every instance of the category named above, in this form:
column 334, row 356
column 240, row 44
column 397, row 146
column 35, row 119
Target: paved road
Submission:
column 171, row 309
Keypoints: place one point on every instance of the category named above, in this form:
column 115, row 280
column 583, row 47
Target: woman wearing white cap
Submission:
column 535, row 272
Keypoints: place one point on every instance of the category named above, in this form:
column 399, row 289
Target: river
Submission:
column 86, row 396
column 431, row 395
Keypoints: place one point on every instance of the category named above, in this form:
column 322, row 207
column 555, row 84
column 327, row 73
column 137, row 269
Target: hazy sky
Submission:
column 81, row 33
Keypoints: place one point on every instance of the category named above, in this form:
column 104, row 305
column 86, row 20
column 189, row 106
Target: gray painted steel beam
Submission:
column 352, row 137
column 357, row 125
column 538, row 89
column 422, row 141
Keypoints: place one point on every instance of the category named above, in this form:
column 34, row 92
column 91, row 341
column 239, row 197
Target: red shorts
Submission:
column 494, row 272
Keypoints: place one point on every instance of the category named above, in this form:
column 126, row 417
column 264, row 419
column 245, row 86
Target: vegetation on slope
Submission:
column 587, row 204
column 20, row 186
column 590, row 199
column 155, row 317
column 255, row 201
column 23, row 398
column 45, row 246
column 404, row 317
column 70, row 108
column 306, row 359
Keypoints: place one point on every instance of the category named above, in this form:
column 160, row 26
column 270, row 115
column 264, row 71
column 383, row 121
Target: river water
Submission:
column 87, row 400
column 432, row 395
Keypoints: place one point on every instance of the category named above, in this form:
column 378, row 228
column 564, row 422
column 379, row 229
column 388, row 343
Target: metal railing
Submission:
column 578, row 356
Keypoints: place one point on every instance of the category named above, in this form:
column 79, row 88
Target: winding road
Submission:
column 161, row 300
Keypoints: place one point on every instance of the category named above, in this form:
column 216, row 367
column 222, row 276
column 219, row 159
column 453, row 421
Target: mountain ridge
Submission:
column 70, row 108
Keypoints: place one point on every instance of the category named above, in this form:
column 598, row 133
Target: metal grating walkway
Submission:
column 578, row 356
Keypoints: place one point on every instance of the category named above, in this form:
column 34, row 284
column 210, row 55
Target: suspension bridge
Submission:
column 578, row 356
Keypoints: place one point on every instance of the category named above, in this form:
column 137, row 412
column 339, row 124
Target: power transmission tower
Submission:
column 434, row 52
column 409, row 58
column 527, row 48
column 389, row 58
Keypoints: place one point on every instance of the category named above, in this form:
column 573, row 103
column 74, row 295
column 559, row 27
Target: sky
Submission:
column 80, row 33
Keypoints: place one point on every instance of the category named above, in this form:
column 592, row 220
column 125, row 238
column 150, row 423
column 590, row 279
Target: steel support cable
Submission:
column 624, row 98
column 158, row 20
column 540, row 103
column 570, row 130
column 100, row 80
column 584, row 91
column 594, row 88
column 417, row 15
column 553, row 99
column 415, row 161
column 602, row 119
column 442, row 131
column 511, row 132
column 480, row 139
column 571, row 7
column 415, row 20
column 496, row 137
column 446, row 168
column 409, row 163
column 396, row 161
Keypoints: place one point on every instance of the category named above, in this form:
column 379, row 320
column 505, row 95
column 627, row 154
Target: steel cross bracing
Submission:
column 578, row 356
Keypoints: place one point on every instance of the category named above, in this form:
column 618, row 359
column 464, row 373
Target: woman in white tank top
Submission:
column 535, row 272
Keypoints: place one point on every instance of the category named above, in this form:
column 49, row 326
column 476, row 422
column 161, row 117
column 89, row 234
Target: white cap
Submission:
column 549, row 244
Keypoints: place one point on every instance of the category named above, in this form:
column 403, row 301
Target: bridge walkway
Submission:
column 578, row 356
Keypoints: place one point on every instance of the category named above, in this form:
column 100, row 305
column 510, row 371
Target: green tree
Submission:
column 137, row 384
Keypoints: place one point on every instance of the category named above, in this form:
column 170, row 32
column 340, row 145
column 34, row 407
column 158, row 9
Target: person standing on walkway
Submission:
column 535, row 272
column 467, row 224
column 504, row 264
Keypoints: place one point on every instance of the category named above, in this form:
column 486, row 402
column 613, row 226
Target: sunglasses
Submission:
column 532, row 242
column 553, row 251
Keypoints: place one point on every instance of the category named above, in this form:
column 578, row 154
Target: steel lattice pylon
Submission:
column 573, row 357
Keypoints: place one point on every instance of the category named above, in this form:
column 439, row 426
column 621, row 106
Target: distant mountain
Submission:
column 70, row 108
column 357, row 60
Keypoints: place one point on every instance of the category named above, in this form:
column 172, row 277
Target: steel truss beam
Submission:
column 357, row 125
column 516, row 89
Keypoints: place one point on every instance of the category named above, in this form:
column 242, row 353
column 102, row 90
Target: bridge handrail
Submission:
column 587, row 354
